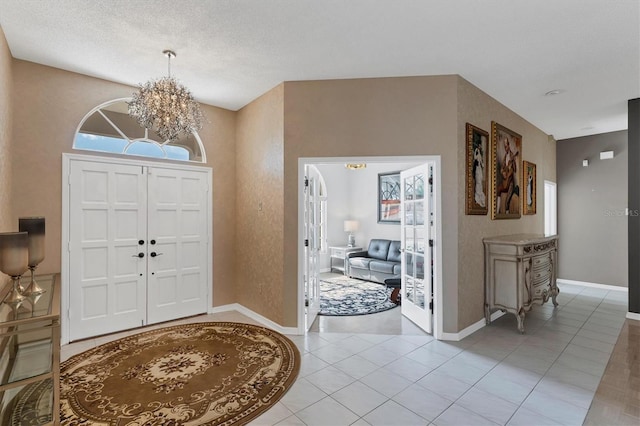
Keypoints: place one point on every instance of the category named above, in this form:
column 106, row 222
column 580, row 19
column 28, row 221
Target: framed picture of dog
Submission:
column 529, row 182
column 506, row 154
column 477, row 145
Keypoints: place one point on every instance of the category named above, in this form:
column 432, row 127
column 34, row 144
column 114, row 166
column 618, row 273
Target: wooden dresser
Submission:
column 519, row 271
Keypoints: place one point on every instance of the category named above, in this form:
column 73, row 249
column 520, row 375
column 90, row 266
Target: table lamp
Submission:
column 351, row 226
column 14, row 261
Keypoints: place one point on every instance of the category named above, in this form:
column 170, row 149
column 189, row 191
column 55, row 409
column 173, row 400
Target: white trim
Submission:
column 594, row 285
column 633, row 316
column 256, row 317
column 438, row 292
column 64, row 240
column 456, row 337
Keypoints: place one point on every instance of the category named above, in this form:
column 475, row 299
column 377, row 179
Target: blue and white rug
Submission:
column 349, row 296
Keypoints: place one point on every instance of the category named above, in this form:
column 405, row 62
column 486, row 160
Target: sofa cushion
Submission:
column 381, row 266
column 360, row 262
column 394, row 252
column 379, row 249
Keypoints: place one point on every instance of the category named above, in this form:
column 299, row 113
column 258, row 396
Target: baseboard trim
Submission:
column 633, row 316
column 254, row 316
column 594, row 285
column 456, row 337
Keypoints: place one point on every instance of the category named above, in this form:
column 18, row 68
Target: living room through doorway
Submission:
column 352, row 195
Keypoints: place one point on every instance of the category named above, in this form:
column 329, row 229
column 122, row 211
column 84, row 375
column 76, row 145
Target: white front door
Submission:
column 313, row 219
column 417, row 239
column 107, row 268
column 177, row 280
column 138, row 245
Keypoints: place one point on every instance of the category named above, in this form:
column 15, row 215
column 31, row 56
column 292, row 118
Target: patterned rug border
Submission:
column 248, row 414
column 383, row 304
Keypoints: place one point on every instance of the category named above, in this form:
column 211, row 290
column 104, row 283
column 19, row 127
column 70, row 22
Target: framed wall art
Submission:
column 506, row 154
column 477, row 145
column 529, row 182
column 389, row 197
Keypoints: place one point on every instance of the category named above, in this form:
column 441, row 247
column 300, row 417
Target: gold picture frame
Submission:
column 477, row 147
column 529, row 183
column 506, row 154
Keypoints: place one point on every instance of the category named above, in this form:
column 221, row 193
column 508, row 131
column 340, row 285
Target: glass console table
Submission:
column 30, row 358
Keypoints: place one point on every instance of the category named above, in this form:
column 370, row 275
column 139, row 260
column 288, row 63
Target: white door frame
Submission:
column 418, row 159
column 64, row 245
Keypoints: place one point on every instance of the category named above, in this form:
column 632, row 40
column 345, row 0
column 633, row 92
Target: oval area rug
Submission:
column 344, row 296
column 215, row 373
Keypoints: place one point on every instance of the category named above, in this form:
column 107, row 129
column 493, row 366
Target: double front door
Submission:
column 138, row 244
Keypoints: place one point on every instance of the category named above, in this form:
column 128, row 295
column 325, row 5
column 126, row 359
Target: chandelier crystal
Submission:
column 166, row 107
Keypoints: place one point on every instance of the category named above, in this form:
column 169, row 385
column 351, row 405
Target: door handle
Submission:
column 140, row 255
column 154, row 254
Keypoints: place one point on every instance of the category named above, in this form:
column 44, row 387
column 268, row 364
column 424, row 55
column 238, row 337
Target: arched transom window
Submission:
column 109, row 128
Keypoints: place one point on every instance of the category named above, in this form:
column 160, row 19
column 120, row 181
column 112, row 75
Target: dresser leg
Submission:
column 554, row 293
column 520, row 318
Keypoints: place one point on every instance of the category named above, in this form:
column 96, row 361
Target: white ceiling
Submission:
column 231, row 51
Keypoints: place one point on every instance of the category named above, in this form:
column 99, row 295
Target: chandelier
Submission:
column 166, row 107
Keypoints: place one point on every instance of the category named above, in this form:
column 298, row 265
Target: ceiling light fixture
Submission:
column 356, row 166
column 166, row 106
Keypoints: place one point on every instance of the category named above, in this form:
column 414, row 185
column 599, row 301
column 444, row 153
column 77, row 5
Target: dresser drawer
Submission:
column 541, row 262
column 538, row 290
column 540, row 276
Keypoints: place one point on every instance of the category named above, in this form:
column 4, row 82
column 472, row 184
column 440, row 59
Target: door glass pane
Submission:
column 408, row 257
column 409, row 242
column 419, row 266
column 419, row 290
column 409, row 290
column 408, row 214
column 420, row 240
column 419, row 184
column 419, row 213
column 409, row 188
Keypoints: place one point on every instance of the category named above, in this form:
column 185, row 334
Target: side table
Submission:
column 339, row 254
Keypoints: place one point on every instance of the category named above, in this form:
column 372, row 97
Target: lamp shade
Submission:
column 35, row 227
column 14, row 253
column 350, row 225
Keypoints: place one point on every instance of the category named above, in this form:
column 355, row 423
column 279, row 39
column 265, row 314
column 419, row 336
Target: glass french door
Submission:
column 417, row 238
column 313, row 219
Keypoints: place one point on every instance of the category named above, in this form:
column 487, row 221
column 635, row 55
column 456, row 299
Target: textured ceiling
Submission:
column 231, row 51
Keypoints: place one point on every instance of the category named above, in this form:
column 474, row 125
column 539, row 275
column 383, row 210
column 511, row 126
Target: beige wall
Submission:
column 254, row 155
column 479, row 109
column 49, row 106
column 371, row 117
column 7, row 219
column 260, row 204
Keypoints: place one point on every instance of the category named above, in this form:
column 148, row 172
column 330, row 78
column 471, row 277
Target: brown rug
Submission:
column 213, row 373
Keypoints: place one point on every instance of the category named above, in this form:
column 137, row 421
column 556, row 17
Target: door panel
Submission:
column 178, row 226
column 108, row 217
column 416, row 223
column 313, row 218
column 138, row 245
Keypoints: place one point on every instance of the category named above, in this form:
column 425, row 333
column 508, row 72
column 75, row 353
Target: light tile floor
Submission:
column 495, row 376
